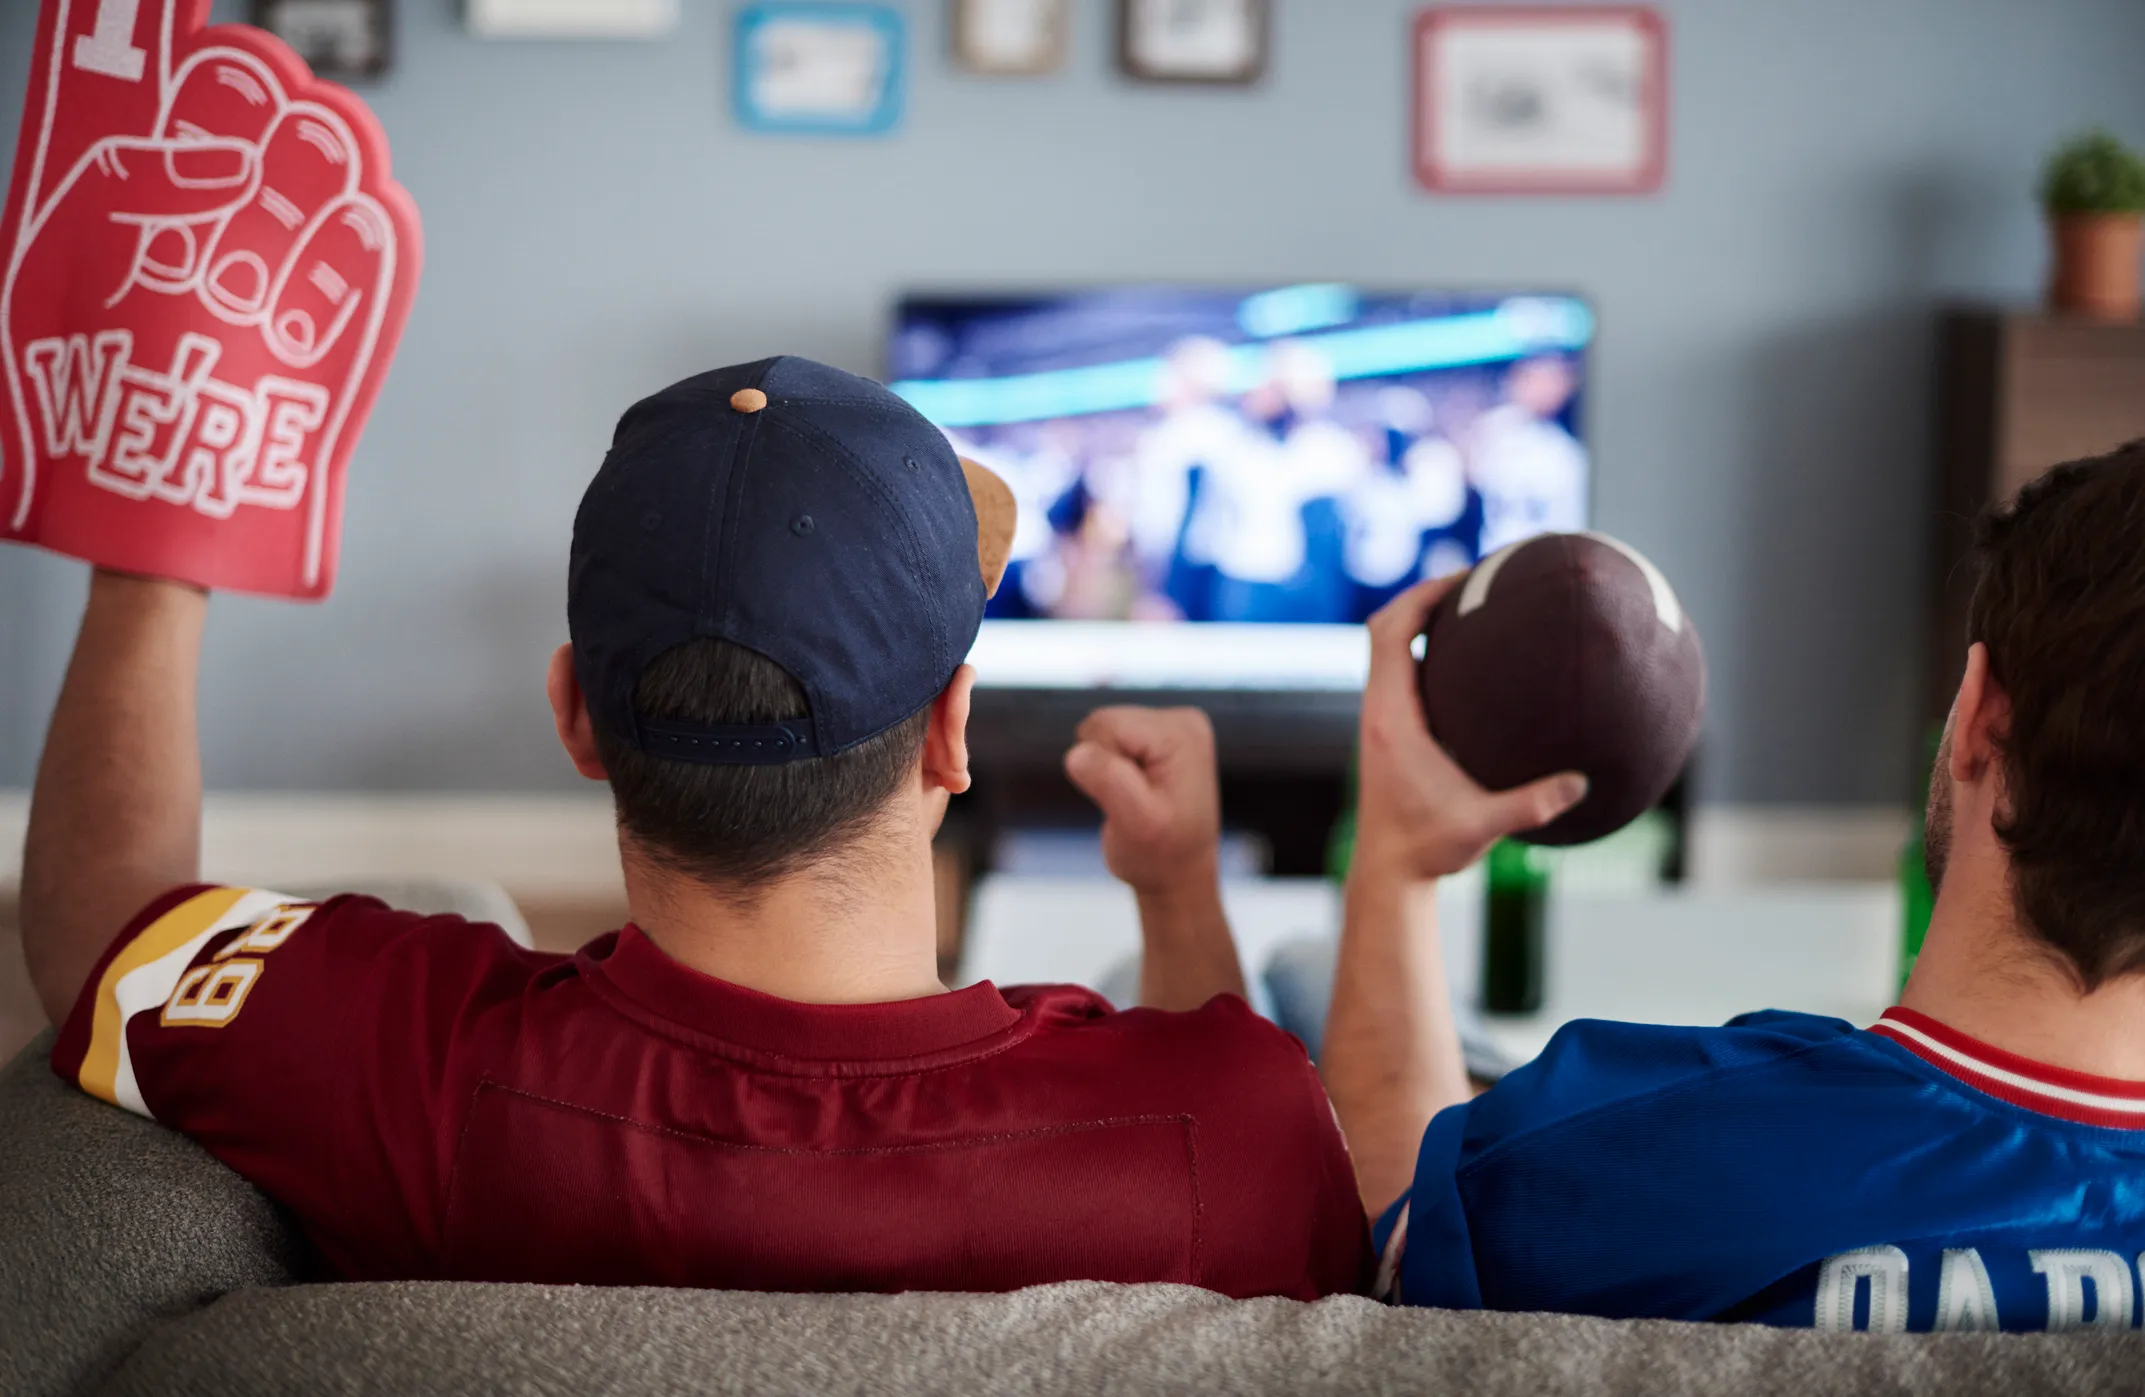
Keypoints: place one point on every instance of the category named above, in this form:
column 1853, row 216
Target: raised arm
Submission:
column 1391, row 1056
column 115, row 818
column 1151, row 770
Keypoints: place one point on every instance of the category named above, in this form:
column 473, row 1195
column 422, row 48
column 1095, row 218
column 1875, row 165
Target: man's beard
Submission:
column 1936, row 823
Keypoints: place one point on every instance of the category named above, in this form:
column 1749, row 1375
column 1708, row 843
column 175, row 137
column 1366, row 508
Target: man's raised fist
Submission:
column 208, row 268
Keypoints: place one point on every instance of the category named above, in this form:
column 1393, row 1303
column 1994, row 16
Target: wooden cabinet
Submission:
column 2017, row 392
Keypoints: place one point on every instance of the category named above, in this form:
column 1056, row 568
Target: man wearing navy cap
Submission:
column 759, row 1082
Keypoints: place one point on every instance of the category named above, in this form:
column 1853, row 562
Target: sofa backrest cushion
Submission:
column 1075, row 1338
column 118, row 1237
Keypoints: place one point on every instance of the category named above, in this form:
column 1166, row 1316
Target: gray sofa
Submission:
column 131, row 1262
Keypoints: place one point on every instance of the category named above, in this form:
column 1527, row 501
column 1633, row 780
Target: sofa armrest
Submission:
column 108, row 1224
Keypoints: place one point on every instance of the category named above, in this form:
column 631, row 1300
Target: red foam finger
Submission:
column 146, row 423
column 222, row 92
column 144, row 181
column 309, row 163
column 168, row 253
column 333, row 277
column 102, row 234
column 98, row 71
column 214, row 94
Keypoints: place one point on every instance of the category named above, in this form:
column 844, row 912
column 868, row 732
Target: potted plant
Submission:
column 2094, row 191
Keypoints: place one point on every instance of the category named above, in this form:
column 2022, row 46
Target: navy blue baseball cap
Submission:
column 803, row 513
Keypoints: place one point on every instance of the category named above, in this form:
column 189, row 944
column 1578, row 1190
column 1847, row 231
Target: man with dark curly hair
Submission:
column 1974, row 1160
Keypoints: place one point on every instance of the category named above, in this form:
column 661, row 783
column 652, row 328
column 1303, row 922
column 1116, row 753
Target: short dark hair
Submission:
column 2060, row 603
column 737, row 828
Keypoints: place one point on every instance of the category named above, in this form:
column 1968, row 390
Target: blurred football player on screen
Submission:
column 1279, row 552
column 1412, row 498
column 1169, row 473
column 1530, row 470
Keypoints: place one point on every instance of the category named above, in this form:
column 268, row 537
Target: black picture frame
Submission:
column 339, row 39
column 1143, row 68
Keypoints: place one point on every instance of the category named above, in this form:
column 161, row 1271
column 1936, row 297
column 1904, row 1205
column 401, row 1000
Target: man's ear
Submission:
column 570, row 713
column 946, row 740
column 1980, row 717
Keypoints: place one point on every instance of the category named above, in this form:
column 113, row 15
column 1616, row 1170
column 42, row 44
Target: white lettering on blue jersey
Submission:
column 1965, row 1301
column 1884, row 1268
column 1764, row 1160
column 2067, row 1269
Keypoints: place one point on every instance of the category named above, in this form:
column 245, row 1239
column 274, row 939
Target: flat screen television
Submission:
column 1216, row 485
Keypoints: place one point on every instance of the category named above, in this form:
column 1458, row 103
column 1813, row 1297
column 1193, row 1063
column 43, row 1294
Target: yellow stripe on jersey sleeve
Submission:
column 143, row 975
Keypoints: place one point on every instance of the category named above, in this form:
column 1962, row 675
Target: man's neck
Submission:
column 1985, row 975
column 859, row 928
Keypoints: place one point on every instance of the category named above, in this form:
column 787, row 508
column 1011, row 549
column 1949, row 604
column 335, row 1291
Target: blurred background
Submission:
column 1848, row 196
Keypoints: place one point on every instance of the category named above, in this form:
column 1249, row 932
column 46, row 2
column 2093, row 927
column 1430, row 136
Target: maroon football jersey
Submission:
column 431, row 1101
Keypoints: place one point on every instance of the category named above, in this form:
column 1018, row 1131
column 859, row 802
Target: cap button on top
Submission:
column 748, row 400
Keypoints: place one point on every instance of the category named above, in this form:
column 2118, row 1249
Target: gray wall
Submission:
column 596, row 226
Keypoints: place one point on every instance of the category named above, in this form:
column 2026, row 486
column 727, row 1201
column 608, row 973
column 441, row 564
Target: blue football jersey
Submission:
column 1786, row 1169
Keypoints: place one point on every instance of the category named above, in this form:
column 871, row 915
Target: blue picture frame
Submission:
column 757, row 25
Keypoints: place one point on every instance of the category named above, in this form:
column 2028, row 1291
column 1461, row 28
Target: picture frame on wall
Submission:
column 571, row 19
column 338, row 39
column 819, row 67
column 1011, row 38
column 1193, row 41
column 1541, row 99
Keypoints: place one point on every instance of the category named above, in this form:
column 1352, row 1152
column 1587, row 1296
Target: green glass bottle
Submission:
column 1916, row 898
column 1515, row 924
column 1341, row 839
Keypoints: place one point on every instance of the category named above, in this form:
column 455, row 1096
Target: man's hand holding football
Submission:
column 1391, row 1057
column 1418, row 815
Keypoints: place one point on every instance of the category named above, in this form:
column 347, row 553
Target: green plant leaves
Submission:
column 2095, row 173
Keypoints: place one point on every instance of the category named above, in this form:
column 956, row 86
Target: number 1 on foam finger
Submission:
column 109, row 49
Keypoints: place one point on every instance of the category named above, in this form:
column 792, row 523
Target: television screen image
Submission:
column 1215, row 486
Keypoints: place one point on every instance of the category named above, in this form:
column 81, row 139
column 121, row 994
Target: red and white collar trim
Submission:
column 2052, row 1091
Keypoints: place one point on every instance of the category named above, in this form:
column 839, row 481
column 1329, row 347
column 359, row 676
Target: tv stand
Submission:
column 1283, row 763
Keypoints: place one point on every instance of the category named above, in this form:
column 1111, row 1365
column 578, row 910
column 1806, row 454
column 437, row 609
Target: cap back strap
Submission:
column 729, row 744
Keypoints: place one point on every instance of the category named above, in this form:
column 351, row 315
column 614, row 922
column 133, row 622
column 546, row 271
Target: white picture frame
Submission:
column 1541, row 99
column 1011, row 38
column 571, row 19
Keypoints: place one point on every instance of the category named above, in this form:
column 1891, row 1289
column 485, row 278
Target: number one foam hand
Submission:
column 208, row 268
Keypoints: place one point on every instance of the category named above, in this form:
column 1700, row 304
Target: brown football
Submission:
column 1567, row 652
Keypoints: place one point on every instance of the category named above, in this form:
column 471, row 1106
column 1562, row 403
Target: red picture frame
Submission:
column 1436, row 167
